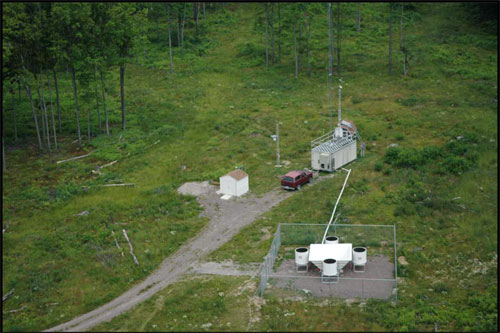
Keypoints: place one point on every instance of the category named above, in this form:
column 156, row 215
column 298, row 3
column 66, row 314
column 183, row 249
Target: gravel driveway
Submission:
column 227, row 218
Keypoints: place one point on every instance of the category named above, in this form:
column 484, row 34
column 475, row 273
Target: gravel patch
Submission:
column 309, row 283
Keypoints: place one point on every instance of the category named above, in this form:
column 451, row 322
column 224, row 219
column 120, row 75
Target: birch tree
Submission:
column 170, row 38
column 267, row 47
column 390, row 38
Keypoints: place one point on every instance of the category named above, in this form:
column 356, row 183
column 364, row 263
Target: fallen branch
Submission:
column 157, row 142
column 125, row 184
column 73, row 158
column 97, row 172
column 116, row 242
column 7, row 295
column 16, row 310
column 131, row 248
column 105, row 165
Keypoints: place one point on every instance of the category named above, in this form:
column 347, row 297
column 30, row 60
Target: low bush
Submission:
column 456, row 157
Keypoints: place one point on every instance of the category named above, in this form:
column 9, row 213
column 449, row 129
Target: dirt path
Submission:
column 227, row 218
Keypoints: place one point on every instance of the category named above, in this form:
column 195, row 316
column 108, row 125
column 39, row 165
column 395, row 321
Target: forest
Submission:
column 109, row 107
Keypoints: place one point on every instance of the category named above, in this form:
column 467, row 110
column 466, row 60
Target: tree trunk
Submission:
column 272, row 33
column 179, row 30
column 144, row 50
column 332, row 37
column 28, row 89
column 204, row 13
column 104, row 103
column 299, row 46
column 295, row 49
column 122, row 93
column 44, row 134
column 57, row 101
column 19, row 89
column 279, row 32
column 330, row 62
column 358, row 18
column 338, row 40
column 405, row 65
column 390, row 38
column 4, row 163
column 14, row 110
column 88, row 124
column 196, row 14
column 308, row 36
column 182, row 25
column 47, row 128
column 401, row 27
column 97, row 101
column 52, row 111
column 267, row 51
column 75, row 96
column 170, row 41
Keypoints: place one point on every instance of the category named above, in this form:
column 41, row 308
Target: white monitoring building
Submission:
column 334, row 149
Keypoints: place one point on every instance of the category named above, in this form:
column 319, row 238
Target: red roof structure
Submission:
column 237, row 174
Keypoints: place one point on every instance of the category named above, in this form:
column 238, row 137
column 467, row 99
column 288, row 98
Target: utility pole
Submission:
column 277, row 144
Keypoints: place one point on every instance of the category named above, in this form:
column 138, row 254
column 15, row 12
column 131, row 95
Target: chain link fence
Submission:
column 280, row 278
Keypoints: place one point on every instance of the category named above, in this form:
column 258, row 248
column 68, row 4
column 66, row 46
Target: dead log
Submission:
column 157, row 142
column 116, row 242
column 124, row 184
column 105, row 165
column 7, row 295
column 131, row 248
column 73, row 158
column 16, row 310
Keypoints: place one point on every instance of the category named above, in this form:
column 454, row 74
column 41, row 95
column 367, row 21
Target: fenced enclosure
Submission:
column 279, row 276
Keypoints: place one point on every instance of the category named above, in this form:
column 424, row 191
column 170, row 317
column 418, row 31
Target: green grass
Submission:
column 216, row 112
column 194, row 304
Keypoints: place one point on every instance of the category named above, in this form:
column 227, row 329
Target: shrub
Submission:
column 456, row 165
column 378, row 166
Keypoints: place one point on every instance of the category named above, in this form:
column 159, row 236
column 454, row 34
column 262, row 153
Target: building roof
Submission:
column 237, row 174
column 331, row 146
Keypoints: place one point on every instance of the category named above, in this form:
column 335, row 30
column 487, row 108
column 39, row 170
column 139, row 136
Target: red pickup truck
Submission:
column 295, row 179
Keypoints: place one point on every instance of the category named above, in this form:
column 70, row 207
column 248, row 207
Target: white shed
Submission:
column 234, row 183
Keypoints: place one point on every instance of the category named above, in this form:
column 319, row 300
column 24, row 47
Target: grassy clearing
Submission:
column 194, row 304
column 216, row 112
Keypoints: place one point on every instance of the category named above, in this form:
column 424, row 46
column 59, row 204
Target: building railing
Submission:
column 322, row 139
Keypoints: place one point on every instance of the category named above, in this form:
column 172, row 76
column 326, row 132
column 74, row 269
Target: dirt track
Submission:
column 226, row 220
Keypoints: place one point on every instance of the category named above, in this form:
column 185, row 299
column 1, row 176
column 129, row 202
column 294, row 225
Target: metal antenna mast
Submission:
column 340, row 101
column 330, row 63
